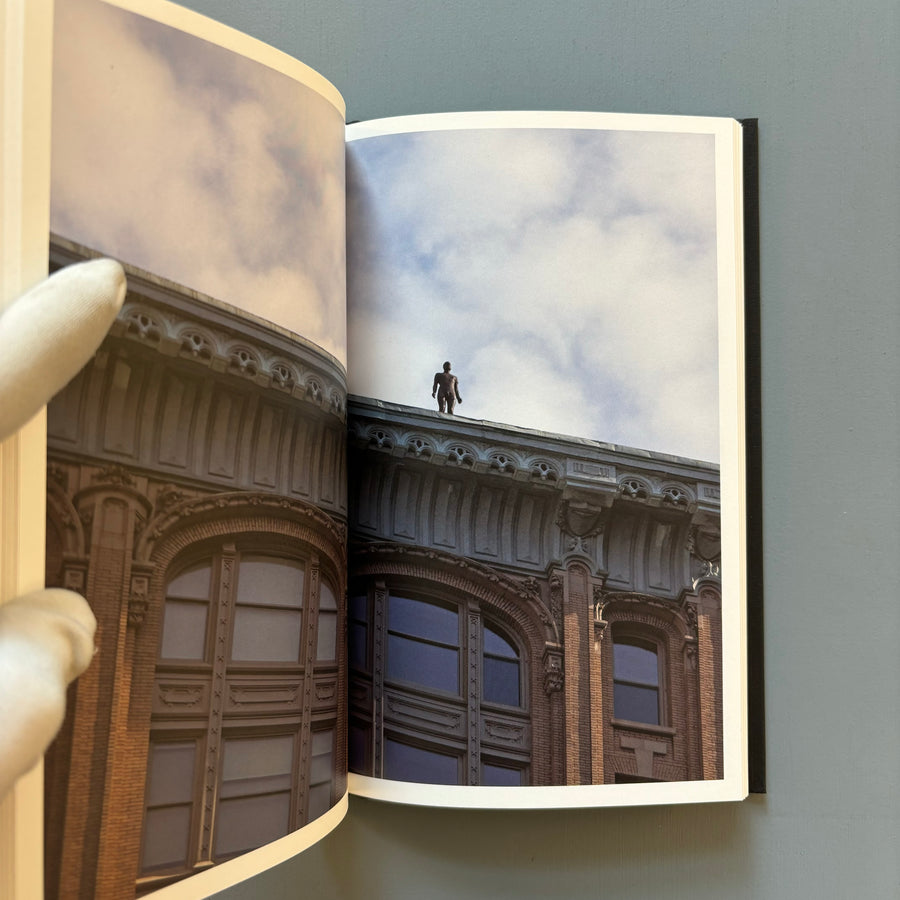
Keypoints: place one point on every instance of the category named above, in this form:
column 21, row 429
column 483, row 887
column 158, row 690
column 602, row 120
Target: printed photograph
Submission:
column 196, row 466
column 535, row 568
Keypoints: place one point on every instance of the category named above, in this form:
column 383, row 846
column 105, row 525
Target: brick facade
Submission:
column 573, row 545
column 196, row 433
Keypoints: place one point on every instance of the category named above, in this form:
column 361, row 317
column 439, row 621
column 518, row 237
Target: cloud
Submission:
column 201, row 166
column 569, row 275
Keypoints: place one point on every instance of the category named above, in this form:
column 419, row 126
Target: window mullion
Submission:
column 379, row 637
column 473, row 686
column 307, row 658
column 223, row 606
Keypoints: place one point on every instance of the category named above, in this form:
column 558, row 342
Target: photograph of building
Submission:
column 197, row 499
column 527, row 608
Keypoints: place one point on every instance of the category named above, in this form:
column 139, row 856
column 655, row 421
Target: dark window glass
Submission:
column 501, row 670
column 403, row 762
column 424, row 620
column 636, row 682
column 500, row 776
column 358, row 745
column 423, row 644
column 429, row 665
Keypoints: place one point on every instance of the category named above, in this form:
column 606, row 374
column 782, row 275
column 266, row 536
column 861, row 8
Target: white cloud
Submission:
column 569, row 276
column 201, row 166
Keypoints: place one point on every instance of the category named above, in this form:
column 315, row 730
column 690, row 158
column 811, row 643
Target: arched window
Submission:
column 228, row 768
column 447, row 690
column 636, row 680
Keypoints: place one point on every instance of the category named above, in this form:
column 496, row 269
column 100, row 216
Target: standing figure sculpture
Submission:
column 447, row 388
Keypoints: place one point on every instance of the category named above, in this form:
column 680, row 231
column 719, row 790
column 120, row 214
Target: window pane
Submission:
column 501, row 681
column 498, row 646
column 166, row 833
column 245, row 823
column 270, row 582
column 425, row 664
column 169, row 805
column 357, row 640
column 319, row 801
column 358, row 747
column 322, row 765
column 403, row 762
column 633, row 663
column 326, row 635
column 171, row 773
column 326, row 596
column 184, row 630
column 321, row 772
column 266, row 635
column 192, row 584
column 358, row 608
column 420, row 619
column 253, row 757
column 636, row 704
column 500, row 776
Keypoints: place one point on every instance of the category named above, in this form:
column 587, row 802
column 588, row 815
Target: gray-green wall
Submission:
column 824, row 80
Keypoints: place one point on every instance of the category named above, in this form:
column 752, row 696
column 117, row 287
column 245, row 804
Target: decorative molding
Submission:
column 557, row 596
column 138, row 599
column 259, row 694
column 113, row 474
column 554, row 674
column 507, row 733
column 180, row 696
column 170, row 517
column 474, row 578
column 245, row 351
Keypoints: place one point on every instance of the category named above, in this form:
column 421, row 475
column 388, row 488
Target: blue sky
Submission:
column 569, row 275
column 208, row 168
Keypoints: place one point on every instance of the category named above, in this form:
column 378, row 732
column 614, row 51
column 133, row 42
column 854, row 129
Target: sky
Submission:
column 209, row 169
column 568, row 275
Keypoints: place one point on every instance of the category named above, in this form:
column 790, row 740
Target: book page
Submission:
column 196, row 473
column 546, row 448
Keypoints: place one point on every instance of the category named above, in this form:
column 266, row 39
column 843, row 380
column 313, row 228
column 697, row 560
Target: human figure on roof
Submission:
column 446, row 386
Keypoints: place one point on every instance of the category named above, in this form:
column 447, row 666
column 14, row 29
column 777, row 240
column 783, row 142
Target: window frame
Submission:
column 647, row 639
column 234, row 723
column 379, row 723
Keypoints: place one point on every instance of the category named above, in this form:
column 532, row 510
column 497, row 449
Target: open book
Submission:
column 414, row 462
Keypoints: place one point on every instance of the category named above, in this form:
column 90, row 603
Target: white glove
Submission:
column 46, row 637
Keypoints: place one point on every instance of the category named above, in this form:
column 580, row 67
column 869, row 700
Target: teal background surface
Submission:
column 824, row 81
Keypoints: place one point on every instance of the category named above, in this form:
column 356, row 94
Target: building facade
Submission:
column 529, row 609
column 197, row 498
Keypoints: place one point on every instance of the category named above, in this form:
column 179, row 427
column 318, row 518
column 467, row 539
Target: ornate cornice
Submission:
column 241, row 353
column 177, row 322
column 588, row 474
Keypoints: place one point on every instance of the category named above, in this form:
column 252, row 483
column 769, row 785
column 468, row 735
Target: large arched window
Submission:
column 445, row 698
column 236, row 758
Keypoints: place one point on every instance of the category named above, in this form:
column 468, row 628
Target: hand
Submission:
column 46, row 637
